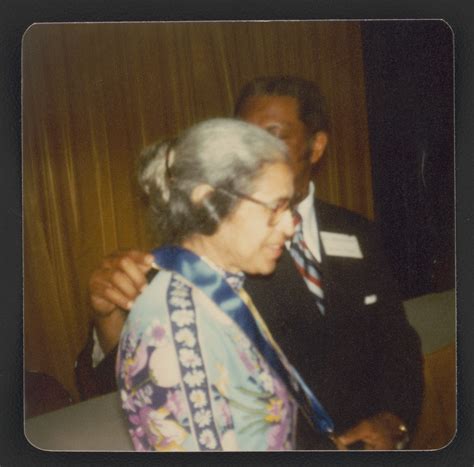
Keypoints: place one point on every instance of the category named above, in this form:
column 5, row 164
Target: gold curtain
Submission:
column 95, row 94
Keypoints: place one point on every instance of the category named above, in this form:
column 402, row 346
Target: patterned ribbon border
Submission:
column 191, row 363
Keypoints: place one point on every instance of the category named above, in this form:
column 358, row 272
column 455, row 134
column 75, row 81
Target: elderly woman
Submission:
column 196, row 365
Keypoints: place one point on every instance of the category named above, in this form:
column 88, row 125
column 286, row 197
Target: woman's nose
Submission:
column 286, row 224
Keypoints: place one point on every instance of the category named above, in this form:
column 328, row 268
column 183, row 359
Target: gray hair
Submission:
column 223, row 153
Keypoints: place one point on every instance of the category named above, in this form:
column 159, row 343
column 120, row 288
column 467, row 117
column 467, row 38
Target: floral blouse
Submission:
column 190, row 379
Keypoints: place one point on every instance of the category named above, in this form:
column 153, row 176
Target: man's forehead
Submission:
column 269, row 99
column 282, row 108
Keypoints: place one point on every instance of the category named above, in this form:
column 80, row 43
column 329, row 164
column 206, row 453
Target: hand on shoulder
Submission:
column 118, row 280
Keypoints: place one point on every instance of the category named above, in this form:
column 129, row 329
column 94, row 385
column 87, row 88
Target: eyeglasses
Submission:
column 277, row 209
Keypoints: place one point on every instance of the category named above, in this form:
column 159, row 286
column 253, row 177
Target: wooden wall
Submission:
column 95, row 94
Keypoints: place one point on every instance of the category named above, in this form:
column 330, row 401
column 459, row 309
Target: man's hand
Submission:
column 113, row 287
column 119, row 279
column 380, row 432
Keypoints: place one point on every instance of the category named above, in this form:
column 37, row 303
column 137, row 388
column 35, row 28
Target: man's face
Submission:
column 279, row 116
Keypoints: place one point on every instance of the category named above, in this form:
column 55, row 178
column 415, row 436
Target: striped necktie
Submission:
column 306, row 263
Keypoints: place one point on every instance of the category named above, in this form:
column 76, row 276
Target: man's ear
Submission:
column 200, row 192
column 319, row 146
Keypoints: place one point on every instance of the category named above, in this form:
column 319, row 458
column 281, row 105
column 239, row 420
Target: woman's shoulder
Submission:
column 166, row 295
column 152, row 301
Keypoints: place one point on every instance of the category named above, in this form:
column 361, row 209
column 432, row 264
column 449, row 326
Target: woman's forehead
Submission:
column 275, row 180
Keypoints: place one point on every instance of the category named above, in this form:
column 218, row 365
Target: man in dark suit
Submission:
column 349, row 338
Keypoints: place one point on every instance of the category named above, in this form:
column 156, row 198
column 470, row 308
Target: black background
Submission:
column 409, row 85
column 17, row 15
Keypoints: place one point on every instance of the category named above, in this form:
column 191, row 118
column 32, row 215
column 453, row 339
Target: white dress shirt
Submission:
column 310, row 224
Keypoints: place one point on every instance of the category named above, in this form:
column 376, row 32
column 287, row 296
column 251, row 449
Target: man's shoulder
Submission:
column 331, row 216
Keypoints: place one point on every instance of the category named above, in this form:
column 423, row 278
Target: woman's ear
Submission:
column 200, row 192
column 319, row 146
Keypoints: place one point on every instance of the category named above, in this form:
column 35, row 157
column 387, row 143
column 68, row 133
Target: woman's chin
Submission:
column 263, row 269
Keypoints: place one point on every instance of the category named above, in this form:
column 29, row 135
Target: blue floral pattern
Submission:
column 190, row 379
column 183, row 327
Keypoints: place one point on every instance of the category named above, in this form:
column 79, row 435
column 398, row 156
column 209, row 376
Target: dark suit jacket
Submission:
column 359, row 359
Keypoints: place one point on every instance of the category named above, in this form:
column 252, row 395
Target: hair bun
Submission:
column 153, row 171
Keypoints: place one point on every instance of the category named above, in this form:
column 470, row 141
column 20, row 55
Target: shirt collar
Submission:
column 307, row 211
column 306, row 207
column 235, row 280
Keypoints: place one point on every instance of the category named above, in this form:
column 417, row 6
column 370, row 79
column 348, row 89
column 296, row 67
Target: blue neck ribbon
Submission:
column 199, row 273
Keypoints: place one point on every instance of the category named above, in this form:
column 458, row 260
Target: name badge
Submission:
column 336, row 244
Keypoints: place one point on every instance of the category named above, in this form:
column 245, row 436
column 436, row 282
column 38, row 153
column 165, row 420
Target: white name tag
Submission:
column 336, row 244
